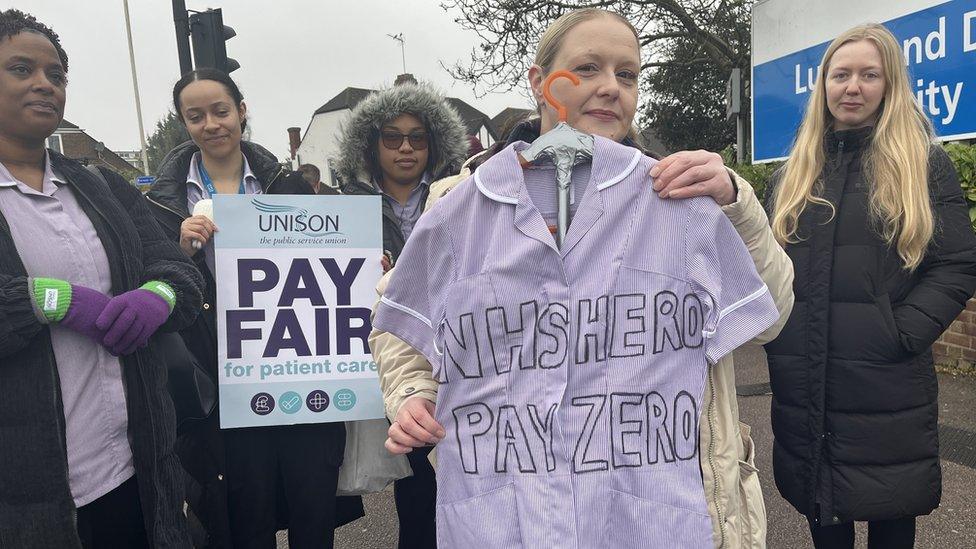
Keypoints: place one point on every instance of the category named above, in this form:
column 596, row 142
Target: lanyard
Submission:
column 208, row 183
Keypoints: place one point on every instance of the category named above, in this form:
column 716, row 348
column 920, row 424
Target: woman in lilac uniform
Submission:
column 249, row 483
column 86, row 278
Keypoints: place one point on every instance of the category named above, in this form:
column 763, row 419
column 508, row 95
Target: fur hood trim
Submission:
column 443, row 124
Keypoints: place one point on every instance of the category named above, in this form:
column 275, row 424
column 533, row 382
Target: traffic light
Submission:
column 209, row 33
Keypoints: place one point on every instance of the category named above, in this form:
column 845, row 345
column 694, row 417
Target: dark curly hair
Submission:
column 14, row 22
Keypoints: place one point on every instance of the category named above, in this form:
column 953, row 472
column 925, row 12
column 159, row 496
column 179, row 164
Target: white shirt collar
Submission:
column 50, row 177
column 193, row 174
column 503, row 179
column 424, row 180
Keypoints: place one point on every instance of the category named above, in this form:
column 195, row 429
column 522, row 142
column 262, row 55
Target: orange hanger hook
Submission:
column 547, row 93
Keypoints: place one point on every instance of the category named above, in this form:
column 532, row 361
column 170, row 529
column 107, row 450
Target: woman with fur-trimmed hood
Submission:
column 395, row 144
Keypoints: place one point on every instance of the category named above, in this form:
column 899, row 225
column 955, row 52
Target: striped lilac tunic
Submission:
column 572, row 379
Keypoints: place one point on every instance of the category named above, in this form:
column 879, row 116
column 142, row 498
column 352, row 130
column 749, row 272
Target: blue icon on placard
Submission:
column 290, row 402
column 344, row 399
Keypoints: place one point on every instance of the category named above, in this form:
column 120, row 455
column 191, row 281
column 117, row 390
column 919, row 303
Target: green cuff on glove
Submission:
column 163, row 290
column 53, row 297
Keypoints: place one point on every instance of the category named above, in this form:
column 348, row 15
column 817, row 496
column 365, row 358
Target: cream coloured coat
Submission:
column 729, row 475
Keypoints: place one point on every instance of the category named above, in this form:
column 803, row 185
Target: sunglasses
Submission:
column 393, row 140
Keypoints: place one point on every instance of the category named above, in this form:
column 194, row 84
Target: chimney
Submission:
column 294, row 140
column 405, row 78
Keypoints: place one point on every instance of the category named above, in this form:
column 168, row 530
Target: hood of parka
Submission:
column 444, row 126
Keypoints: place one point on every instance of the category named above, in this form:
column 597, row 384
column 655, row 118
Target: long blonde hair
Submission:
column 895, row 162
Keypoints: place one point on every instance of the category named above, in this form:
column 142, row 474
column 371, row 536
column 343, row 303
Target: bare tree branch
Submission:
column 687, row 49
column 689, row 63
column 648, row 39
column 508, row 31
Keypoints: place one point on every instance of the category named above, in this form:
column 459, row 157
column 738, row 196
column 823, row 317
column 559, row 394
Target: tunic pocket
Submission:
column 752, row 513
column 637, row 523
column 655, row 319
column 486, row 521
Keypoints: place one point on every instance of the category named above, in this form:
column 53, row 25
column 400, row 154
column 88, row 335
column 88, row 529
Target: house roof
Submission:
column 87, row 149
column 472, row 117
column 347, row 99
column 504, row 118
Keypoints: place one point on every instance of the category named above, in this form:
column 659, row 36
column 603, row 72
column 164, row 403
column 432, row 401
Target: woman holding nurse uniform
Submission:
column 601, row 49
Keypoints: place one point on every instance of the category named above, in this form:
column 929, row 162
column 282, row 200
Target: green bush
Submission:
column 756, row 174
column 964, row 157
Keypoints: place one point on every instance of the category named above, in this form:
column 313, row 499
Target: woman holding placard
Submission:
column 242, row 473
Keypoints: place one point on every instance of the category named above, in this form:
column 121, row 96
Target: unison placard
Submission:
column 296, row 279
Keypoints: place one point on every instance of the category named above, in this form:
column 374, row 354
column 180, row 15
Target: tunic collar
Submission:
column 51, row 178
column 501, row 178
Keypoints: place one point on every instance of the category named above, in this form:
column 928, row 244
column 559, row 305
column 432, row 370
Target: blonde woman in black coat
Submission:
column 871, row 213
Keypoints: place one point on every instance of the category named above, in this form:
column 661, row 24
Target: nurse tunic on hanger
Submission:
column 571, row 379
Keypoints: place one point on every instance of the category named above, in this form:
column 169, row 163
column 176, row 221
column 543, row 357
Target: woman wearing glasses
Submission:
column 396, row 143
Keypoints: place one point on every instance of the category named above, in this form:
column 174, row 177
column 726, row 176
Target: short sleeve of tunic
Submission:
column 413, row 306
column 737, row 303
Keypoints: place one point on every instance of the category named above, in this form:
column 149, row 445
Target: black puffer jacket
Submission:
column 168, row 196
column 854, row 409
column 36, row 509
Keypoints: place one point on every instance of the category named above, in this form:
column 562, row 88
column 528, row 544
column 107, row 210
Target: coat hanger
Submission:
column 563, row 146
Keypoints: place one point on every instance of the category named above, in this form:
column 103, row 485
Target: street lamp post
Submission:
column 135, row 89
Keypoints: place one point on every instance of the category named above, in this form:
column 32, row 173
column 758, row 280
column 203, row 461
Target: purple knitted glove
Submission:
column 86, row 305
column 131, row 318
column 70, row 305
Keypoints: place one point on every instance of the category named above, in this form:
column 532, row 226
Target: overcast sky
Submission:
column 295, row 55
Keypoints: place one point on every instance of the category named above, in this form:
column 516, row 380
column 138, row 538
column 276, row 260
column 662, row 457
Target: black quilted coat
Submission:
column 854, row 409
